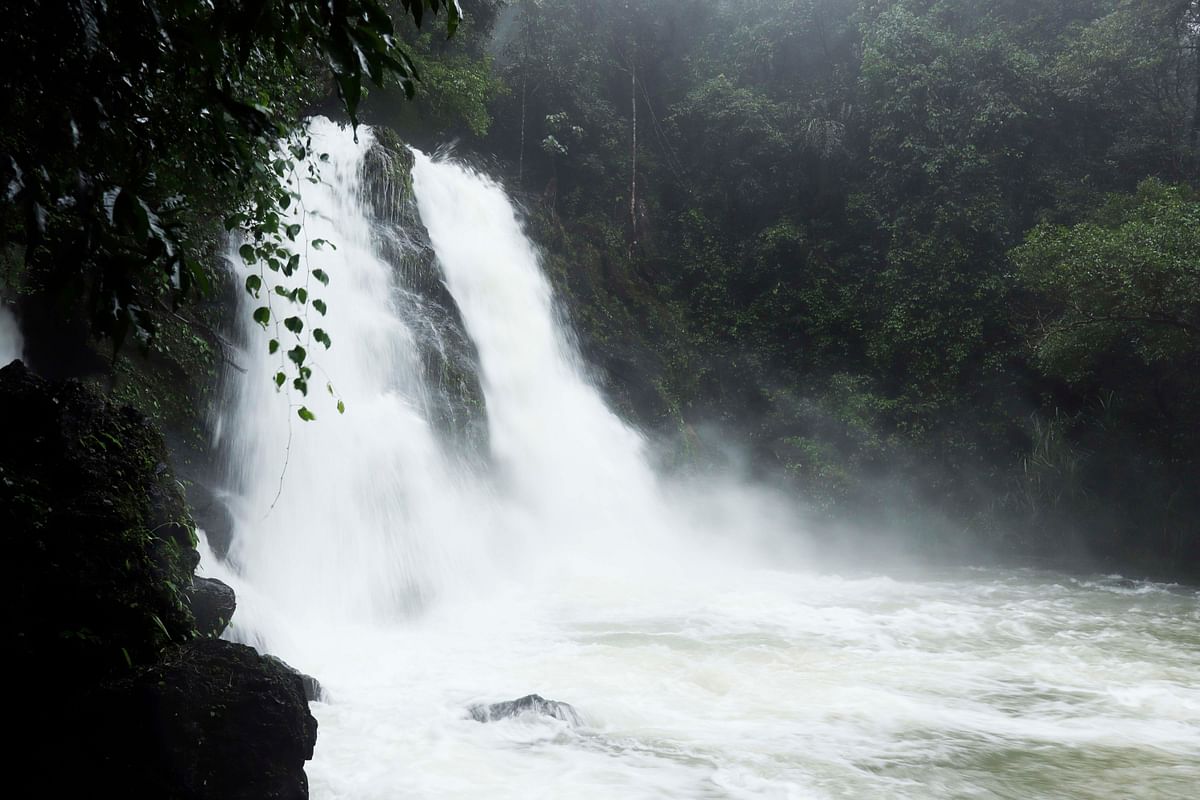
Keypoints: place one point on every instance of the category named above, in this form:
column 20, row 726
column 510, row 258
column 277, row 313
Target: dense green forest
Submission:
column 933, row 259
column 936, row 261
column 868, row 302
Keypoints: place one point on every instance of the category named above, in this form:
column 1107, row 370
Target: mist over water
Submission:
column 678, row 619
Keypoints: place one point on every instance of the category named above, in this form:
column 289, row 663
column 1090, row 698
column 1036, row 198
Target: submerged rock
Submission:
column 313, row 691
column 213, row 603
column 532, row 704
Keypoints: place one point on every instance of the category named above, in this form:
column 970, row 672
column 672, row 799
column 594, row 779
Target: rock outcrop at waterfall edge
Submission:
column 114, row 692
column 451, row 365
column 214, row 719
column 213, row 603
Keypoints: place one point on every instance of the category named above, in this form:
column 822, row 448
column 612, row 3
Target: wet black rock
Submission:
column 114, row 694
column 213, row 603
column 531, row 704
column 313, row 691
column 95, row 533
column 213, row 720
column 456, row 406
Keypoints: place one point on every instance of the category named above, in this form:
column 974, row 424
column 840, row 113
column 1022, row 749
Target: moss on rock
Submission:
column 95, row 529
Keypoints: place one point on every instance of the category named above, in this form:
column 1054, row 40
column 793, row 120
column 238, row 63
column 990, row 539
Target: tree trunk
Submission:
column 1195, row 132
column 521, row 156
column 633, row 159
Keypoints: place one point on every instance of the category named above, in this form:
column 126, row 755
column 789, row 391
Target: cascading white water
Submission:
column 333, row 515
column 11, row 342
column 577, row 472
column 413, row 584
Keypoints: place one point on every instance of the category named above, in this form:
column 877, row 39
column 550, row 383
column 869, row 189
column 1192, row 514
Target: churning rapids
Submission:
column 679, row 620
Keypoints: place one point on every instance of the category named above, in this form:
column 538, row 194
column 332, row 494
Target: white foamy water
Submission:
column 678, row 620
column 12, row 344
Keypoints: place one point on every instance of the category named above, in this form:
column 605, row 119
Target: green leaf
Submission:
column 294, row 324
column 320, row 275
column 319, row 243
column 292, row 231
column 262, row 315
column 247, row 253
column 297, row 354
column 199, row 275
column 320, row 306
column 341, row 407
column 305, row 414
column 301, row 385
column 158, row 621
column 350, row 88
column 301, row 295
column 322, row 337
column 253, row 284
column 279, row 379
column 131, row 214
column 273, row 346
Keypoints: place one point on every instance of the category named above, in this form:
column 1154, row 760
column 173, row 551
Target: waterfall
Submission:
column 478, row 526
column 353, row 516
column 564, row 458
column 368, row 515
column 11, row 342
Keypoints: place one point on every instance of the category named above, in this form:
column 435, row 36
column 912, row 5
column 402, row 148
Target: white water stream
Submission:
column 679, row 621
column 11, row 342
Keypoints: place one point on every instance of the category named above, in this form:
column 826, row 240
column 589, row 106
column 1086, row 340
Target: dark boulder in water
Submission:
column 213, row 720
column 531, row 704
column 313, row 691
column 213, row 603
column 114, row 694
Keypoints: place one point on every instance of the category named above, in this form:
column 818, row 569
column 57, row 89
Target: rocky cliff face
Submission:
column 117, row 691
column 456, row 405
column 95, row 528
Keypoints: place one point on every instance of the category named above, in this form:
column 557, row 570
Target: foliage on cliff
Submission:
column 134, row 129
column 98, row 529
column 118, row 693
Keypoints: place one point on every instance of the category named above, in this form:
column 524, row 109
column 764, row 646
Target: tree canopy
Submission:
column 875, row 231
column 134, row 128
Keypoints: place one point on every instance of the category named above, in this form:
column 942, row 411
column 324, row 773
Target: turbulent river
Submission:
column 683, row 621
